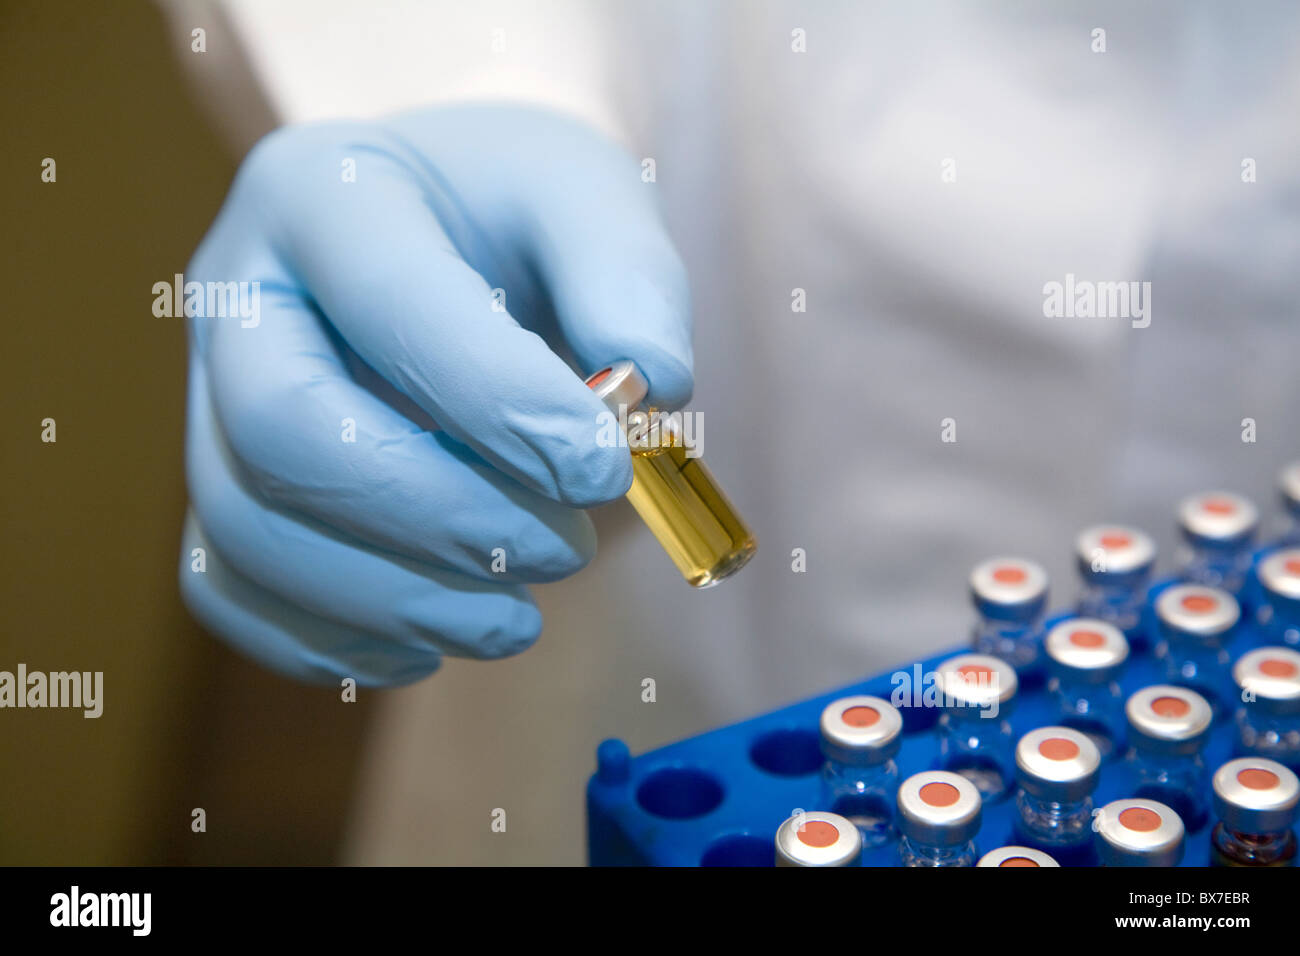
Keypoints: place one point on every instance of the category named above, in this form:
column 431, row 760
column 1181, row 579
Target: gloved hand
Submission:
column 371, row 559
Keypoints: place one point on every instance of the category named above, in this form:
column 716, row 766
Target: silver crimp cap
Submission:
column 1289, row 484
column 1217, row 518
column 1016, row 856
column 1168, row 719
column 974, row 682
column 619, row 385
column 1135, row 832
column 815, row 838
column 1255, row 796
column 1010, row 589
column 1196, row 612
column 1279, row 573
column 861, row 731
column 939, row 808
column 1057, row 764
column 1086, row 649
column 1269, row 678
column 1114, row 552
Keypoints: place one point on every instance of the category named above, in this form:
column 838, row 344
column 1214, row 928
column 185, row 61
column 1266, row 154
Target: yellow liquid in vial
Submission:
column 687, row 511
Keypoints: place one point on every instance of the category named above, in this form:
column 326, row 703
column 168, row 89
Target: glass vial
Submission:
column 1255, row 800
column 1218, row 529
column 1195, row 624
column 1010, row 596
column 1115, row 565
column 1138, row 832
column 860, row 738
column 1268, row 720
column 1085, row 658
column 1167, row 729
column 1279, row 581
column 1057, row 769
column 814, row 838
column 672, row 490
column 974, row 733
column 939, row 814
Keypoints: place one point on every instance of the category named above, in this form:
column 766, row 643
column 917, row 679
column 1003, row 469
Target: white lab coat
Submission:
column 832, row 171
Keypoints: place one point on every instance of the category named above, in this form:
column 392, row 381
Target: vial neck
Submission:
column 863, row 772
column 975, row 720
column 924, row 854
column 1234, row 848
column 1082, row 685
column 1009, row 629
column 1058, row 808
column 1218, row 566
column 1188, row 761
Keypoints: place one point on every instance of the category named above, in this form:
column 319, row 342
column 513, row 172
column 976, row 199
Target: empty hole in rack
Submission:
column 787, row 753
column 739, row 849
column 679, row 793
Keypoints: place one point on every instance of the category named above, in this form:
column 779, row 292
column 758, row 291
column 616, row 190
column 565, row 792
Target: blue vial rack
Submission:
column 717, row 799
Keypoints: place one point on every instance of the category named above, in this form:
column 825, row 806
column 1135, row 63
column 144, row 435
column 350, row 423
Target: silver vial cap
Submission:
column 1168, row 719
column 1289, row 483
column 1010, row 589
column 1218, row 518
column 619, row 385
column 1114, row 551
column 938, row 808
column 1135, row 832
column 861, row 731
column 1269, row 678
column 817, row 839
column 1280, row 574
column 1086, row 649
column 1016, row 856
column 1197, row 612
column 971, row 682
column 1057, row 764
column 1256, row 796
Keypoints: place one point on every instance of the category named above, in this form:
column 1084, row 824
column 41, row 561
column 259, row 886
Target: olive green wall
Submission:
column 91, row 522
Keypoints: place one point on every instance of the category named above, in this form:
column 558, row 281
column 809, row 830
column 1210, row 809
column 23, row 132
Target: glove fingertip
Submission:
column 672, row 382
column 597, row 475
column 517, row 632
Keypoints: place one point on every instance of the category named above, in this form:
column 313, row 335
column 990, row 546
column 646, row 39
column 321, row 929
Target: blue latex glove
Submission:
column 328, row 559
